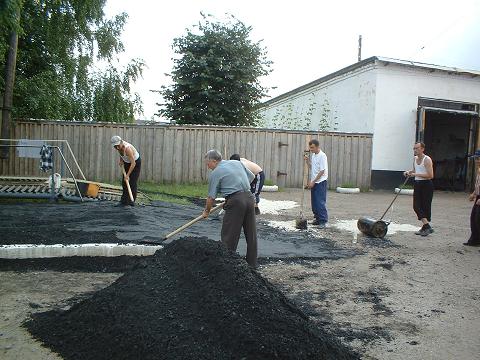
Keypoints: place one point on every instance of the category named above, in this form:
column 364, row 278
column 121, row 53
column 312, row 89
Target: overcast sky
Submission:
column 306, row 39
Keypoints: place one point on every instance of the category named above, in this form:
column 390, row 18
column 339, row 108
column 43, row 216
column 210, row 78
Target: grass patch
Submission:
column 169, row 199
column 405, row 187
column 268, row 183
column 183, row 190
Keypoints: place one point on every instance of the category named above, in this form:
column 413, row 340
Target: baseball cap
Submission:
column 116, row 140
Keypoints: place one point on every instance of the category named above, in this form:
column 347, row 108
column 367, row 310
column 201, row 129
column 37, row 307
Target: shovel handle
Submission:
column 190, row 223
column 128, row 184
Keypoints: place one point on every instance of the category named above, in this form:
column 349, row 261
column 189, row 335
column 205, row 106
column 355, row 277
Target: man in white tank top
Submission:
column 422, row 188
column 130, row 160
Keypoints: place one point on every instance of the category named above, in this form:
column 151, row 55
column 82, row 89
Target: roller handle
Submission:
column 395, row 198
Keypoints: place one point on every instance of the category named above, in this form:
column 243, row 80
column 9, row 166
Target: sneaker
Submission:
column 257, row 210
column 426, row 231
column 470, row 244
column 322, row 225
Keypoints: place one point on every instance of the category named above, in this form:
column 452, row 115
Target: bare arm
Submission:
column 208, row 206
column 311, row 184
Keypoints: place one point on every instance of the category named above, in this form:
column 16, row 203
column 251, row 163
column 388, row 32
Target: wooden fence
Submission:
column 175, row 153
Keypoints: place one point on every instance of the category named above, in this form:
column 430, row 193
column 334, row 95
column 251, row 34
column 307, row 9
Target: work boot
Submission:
column 257, row 210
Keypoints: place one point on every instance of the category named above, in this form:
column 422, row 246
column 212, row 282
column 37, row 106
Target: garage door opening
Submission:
column 450, row 135
column 446, row 138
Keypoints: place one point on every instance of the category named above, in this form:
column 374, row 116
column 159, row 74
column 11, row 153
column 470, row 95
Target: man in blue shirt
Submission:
column 232, row 179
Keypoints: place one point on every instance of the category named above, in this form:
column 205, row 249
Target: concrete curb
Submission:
column 342, row 190
column 270, row 188
column 31, row 251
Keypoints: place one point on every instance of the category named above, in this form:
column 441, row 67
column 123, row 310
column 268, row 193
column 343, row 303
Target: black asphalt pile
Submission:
column 191, row 300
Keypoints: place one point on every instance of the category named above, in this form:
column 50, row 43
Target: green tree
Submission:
column 59, row 43
column 216, row 75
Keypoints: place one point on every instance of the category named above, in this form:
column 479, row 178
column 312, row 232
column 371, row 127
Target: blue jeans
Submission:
column 319, row 201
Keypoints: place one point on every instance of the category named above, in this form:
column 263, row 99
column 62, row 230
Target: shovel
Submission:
column 181, row 228
column 301, row 223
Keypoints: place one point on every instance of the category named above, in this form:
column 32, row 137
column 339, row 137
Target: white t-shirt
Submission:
column 319, row 163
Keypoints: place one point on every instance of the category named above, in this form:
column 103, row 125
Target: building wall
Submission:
column 379, row 98
column 397, row 91
column 345, row 104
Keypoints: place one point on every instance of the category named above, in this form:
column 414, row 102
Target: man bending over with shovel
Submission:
column 131, row 162
column 232, row 179
column 257, row 183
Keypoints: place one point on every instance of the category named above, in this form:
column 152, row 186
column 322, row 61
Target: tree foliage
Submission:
column 60, row 41
column 216, row 75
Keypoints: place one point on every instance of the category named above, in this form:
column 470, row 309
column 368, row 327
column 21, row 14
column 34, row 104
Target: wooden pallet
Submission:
column 37, row 185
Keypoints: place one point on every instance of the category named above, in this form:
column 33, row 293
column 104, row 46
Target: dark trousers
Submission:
column 319, row 201
column 240, row 212
column 475, row 223
column 422, row 199
column 256, row 185
column 133, row 181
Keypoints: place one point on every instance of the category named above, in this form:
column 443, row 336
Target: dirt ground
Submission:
column 405, row 297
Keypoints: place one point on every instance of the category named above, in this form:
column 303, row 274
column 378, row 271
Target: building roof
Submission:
column 373, row 60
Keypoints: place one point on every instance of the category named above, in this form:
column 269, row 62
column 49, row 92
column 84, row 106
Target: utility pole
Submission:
column 359, row 47
column 8, row 93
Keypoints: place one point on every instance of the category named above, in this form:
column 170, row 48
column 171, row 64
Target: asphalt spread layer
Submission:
column 94, row 264
column 41, row 223
column 193, row 299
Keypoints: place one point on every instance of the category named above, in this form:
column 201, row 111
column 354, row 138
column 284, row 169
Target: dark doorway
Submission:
column 447, row 140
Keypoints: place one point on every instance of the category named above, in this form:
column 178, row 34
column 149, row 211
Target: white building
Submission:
column 398, row 102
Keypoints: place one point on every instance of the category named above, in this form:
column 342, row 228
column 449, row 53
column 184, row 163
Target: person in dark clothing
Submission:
column 474, row 239
column 130, row 160
column 422, row 188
